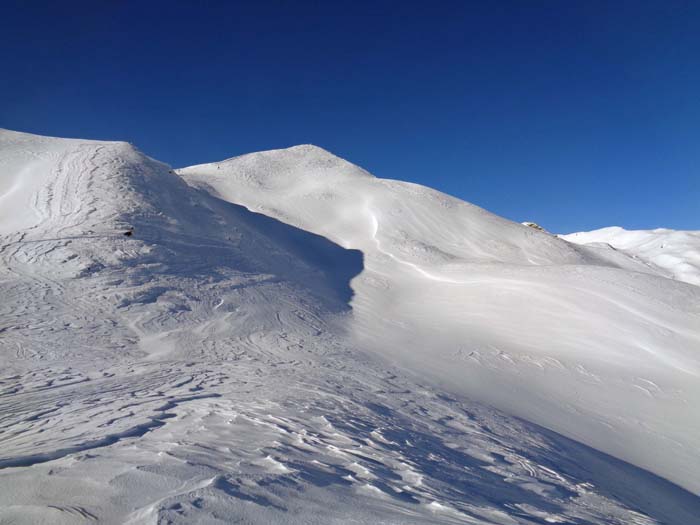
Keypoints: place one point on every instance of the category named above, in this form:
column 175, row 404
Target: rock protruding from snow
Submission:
column 534, row 226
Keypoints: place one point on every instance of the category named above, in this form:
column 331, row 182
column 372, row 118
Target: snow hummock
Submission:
column 285, row 338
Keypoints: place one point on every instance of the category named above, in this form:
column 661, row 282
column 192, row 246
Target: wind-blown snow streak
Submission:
column 421, row 271
column 228, row 363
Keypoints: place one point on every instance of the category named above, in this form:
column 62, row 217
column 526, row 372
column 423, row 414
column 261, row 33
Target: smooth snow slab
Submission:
column 672, row 253
column 594, row 344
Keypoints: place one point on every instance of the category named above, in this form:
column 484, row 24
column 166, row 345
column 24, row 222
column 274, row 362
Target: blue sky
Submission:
column 573, row 114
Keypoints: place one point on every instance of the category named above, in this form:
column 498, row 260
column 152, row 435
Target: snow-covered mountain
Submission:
column 282, row 337
column 521, row 319
column 674, row 254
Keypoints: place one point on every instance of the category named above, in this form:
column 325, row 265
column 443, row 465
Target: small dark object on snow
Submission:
column 129, row 232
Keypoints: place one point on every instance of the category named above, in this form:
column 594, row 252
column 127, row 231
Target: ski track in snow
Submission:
column 206, row 369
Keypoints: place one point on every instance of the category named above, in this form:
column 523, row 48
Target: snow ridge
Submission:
column 675, row 254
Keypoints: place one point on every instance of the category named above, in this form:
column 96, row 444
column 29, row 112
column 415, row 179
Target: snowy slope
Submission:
column 310, row 357
column 592, row 344
column 675, row 254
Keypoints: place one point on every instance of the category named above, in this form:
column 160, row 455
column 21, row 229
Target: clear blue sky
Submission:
column 573, row 114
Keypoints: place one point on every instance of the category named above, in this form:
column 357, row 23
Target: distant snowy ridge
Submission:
column 670, row 252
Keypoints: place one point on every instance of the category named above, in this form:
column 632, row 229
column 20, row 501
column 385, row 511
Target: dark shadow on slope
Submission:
column 138, row 431
column 211, row 237
column 465, row 477
column 563, row 470
column 179, row 231
column 237, row 491
column 637, row 488
column 326, row 267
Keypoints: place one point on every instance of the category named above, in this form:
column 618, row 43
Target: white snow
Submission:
column 671, row 253
column 287, row 339
column 551, row 331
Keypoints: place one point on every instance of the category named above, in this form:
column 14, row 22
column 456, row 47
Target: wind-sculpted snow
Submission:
column 592, row 343
column 227, row 364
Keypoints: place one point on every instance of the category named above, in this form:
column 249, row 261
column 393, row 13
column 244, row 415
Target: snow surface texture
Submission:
column 286, row 339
